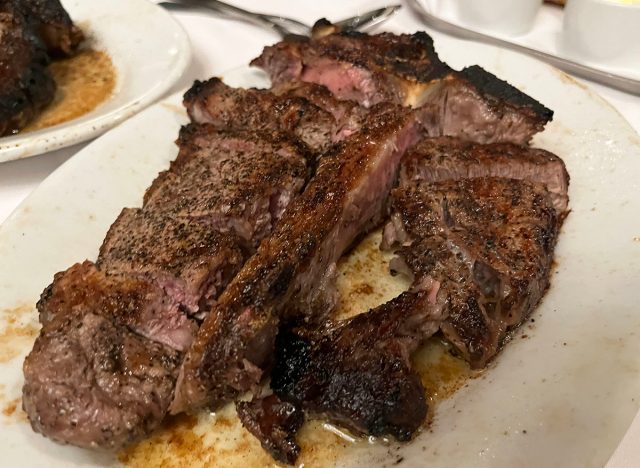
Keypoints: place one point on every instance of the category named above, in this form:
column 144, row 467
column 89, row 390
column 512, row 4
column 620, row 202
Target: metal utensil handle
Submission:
column 609, row 79
column 369, row 19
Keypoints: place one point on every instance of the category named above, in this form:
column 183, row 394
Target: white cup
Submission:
column 603, row 30
column 511, row 17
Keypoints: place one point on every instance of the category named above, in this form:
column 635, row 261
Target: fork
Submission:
column 281, row 24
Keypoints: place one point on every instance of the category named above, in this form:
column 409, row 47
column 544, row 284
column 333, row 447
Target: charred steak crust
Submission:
column 292, row 271
column 26, row 86
column 274, row 423
column 499, row 91
column 53, row 25
column 357, row 373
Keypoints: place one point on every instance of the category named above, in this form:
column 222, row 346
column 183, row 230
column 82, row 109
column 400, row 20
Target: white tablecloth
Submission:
column 220, row 45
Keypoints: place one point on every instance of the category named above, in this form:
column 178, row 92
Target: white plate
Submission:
column 150, row 52
column 545, row 36
column 564, row 396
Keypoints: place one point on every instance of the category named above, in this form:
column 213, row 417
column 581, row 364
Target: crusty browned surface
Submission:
column 26, row 86
column 446, row 158
column 292, row 271
column 274, row 423
column 357, row 373
column 53, row 25
column 191, row 261
column 232, row 181
column 230, row 108
column 488, row 243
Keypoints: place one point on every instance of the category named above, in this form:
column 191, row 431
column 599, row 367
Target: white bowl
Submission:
column 511, row 17
column 603, row 30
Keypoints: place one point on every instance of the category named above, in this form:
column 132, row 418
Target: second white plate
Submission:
column 149, row 50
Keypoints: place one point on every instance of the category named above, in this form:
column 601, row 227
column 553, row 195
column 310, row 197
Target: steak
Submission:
column 130, row 301
column 357, row 373
column 275, row 423
column 487, row 242
column 53, row 25
column 404, row 69
column 160, row 269
column 94, row 383
column 365, row 68
column 438, row 159
column 26, row 85
column 191, row 262
column 293, row 270
column 475, row 105
column 289, row 112
column 234, row 182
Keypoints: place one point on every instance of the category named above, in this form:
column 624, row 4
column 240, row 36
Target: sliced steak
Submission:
column 488, row 243
column 293, row 270
column 438, row 159
column 127, row 300
column 357, row 373
column 190, row 261
column 53, row 25
column 93, row 383
column 26, row 86
column 258, row 109
column 237, row 181
column 404, row 69
column 365, row 68
column 475, row 105
column 274, row 423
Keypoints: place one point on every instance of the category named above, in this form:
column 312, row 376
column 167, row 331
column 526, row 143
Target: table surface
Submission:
column 220, row 45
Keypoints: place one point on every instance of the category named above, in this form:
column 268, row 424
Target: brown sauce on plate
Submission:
column 83, row 81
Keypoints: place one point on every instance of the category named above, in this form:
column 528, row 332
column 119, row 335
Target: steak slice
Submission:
column 93, row 383
column 190, row 261
column 126, row 300
column 230, row 108
column 404, row 69
column 357, row 373
column 488, row 243
column 232, row 181
column 438, row 159
column 26, row 85
column 53, row 25
column 274, row 423
column 475, row 105
column 365, row 68
column 293, row 270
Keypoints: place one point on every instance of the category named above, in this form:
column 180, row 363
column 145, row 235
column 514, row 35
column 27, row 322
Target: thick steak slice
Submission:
column 93, row 383
column 475, row 105
column 365, row 68
column 26, row 86
column 488, row 243
column 293, row 270
column 190, row 261
column 438, row 159
column 357, row 373
column 231, row 181
column 127, row 300
column 53, row 24
column 230, row 108
column 404, row 69
column 274, row 423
